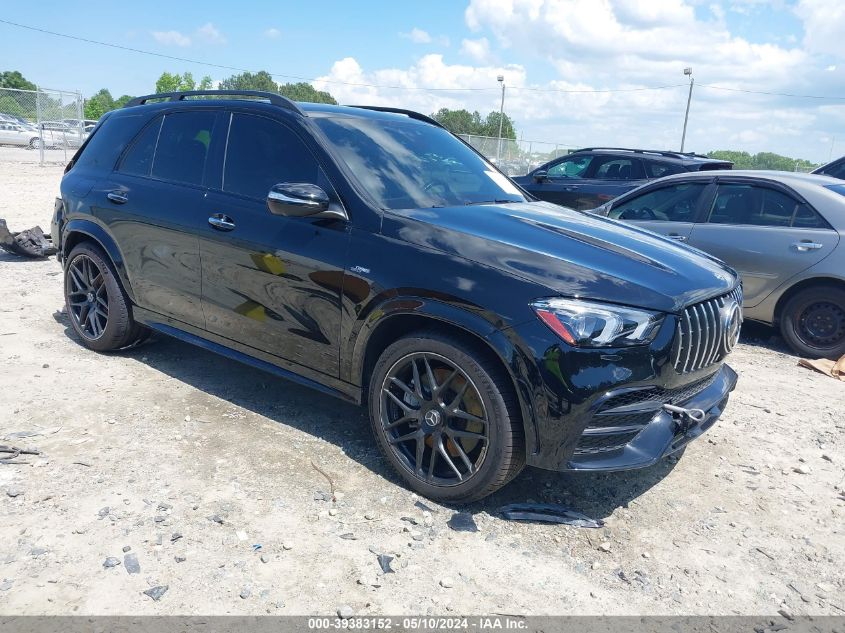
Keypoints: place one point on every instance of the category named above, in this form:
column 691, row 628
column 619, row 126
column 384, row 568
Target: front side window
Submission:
column 261, row 153
column 574, row 167
column 407, row 164
column 747, row 204
column 183, row 146
column 675, row 203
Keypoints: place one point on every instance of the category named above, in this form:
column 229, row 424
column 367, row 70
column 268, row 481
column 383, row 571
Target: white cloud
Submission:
column 272, row 33
column 824, row 25
column 479, row 49
column 171, row 38
column 210, row 33
column 417, row 36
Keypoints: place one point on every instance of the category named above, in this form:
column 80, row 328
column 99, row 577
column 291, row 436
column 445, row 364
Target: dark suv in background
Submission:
column 370, row 254
column 835, row 169
column 587, row 178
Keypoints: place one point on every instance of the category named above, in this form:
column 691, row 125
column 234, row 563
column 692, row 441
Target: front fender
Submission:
column 520, row 366
column 93, row 231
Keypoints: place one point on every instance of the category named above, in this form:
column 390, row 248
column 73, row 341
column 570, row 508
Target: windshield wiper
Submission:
column 469, row 204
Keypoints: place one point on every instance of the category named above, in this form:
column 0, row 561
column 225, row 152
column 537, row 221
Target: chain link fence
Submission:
column 516, row 158
column 41, row 126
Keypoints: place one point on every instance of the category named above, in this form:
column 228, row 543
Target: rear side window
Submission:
column 756, row 206
column 108, row 141
column 262, row 153
column 182, row 148
column 618, row 169
column 658, row 170
column 139, row 159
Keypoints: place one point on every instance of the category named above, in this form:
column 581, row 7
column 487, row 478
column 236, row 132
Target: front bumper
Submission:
column 662, row 435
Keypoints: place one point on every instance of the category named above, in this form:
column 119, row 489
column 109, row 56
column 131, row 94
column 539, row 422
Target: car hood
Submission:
column 573, row 254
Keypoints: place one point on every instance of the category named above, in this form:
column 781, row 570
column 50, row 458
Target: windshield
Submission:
column 406, row 164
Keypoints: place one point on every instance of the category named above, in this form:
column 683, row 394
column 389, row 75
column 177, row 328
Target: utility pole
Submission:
column 687, row 71
column 501, row 80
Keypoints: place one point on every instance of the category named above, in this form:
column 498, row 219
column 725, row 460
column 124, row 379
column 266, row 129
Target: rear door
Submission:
column 272, row 283
column 670, row 209
column 763, row 230
column 153, row 203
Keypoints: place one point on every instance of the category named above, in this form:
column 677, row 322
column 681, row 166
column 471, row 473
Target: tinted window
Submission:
column 658, row 170
column 837, row 170
column 612, row 168
column 676, row 203
column 139, row 159
column 183, row 146
column 747, row 204
column 574, row 167
column 261, row 153
column 407, row 164
column 806, row 218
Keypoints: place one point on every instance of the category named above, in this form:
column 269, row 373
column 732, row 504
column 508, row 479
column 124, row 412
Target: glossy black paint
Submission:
column 312, row 298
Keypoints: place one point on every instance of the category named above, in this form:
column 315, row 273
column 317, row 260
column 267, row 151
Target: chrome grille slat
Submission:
column 700, row 333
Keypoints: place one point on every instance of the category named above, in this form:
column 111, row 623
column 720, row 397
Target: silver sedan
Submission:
column 780, row 230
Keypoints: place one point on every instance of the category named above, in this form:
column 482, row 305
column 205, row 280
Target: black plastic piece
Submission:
column 272, row 97
column 659, row 152
column 408, row 113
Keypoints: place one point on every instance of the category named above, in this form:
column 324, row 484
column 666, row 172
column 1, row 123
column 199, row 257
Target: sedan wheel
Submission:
column 813, row 322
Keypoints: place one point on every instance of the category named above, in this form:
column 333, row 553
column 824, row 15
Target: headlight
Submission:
column 590, row 324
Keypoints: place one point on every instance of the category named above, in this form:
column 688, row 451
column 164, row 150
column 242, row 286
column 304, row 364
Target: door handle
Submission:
column 806, row 245
column 678, row 237
column 117, row 197
column 221, row 222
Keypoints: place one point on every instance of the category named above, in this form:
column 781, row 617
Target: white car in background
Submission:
column 18, row 134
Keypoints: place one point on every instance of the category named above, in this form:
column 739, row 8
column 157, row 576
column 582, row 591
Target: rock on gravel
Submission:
column 110, row 562
column 156, row 592
column 14, row 492
column 345, row 611
column 131, row 564
column 447, row 583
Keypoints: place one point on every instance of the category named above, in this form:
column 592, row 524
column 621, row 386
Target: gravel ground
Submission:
column 169, row 467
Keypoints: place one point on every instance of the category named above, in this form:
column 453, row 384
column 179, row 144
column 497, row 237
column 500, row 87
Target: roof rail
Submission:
column 409, row 113
column 272, row 97
column 643, row 151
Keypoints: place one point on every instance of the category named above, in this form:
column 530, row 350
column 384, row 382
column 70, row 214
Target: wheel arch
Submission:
column 435, row 316
column 78, row 231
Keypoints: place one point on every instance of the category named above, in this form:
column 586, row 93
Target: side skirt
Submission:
column 248, row 355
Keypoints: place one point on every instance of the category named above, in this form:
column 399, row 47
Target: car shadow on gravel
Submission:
column 762, row 335
column 346, row 425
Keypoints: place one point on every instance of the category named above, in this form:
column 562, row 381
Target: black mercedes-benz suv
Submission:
column 370, row 254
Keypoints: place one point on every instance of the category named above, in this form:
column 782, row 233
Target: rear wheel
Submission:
column 97, row 305
column 446, row 417
column 813, row 322
column 35, row 142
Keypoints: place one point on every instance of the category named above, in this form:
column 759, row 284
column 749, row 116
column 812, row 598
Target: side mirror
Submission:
column 541, row 176
column 297, row 199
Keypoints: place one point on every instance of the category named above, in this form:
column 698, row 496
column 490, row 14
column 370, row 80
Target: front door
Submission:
column 269, row 282
column 767, row 234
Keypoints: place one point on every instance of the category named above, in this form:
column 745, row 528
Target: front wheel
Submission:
column 35, row 142
column 813, row 322
column 446, row 417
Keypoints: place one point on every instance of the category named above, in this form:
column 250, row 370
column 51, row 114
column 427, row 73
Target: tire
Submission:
column 34, row 143
column 97, row 306
column 472, row 397
column 813, row 322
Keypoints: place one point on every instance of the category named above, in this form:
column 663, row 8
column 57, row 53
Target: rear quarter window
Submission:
column 108, row 141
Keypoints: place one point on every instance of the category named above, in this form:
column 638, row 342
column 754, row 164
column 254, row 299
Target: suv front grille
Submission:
column 701, row 334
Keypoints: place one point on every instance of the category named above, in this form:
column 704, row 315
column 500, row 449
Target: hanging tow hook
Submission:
column 685, row 419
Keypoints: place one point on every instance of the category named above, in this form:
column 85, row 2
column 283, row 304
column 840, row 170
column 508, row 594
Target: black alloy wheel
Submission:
column 445, row 414
column 434, row 419
column 98, row 307
column 88, row 299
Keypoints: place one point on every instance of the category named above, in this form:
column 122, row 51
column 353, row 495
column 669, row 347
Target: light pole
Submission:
column 501, row 80
column 687, row 71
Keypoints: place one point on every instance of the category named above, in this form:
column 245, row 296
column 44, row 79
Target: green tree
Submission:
column 122, row 100
column 206, row 83
column 10, row 105
column 262, row 80
column 174, row 82
column 466, row 122
column 763, row 160
column 303, row 91
column 14, row 79
column 97, row 105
